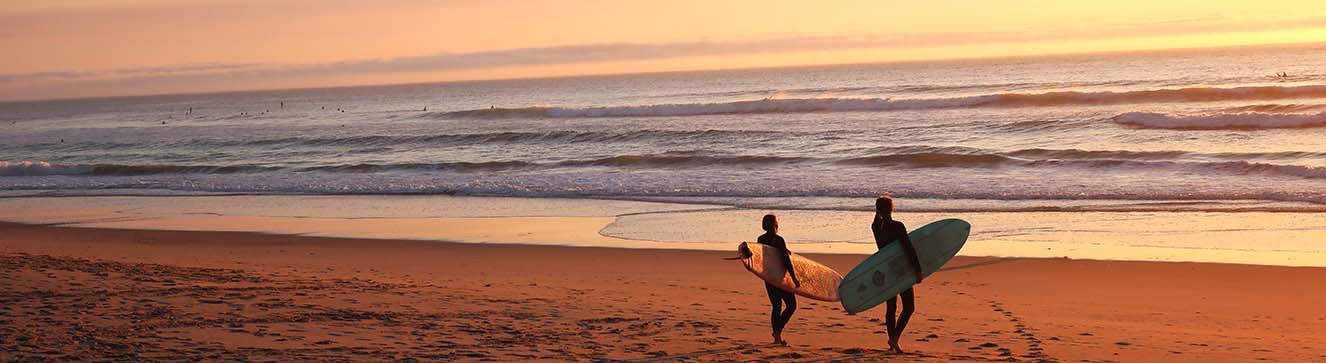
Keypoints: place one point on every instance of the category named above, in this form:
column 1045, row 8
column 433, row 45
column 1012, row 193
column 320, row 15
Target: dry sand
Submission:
column 94, row 294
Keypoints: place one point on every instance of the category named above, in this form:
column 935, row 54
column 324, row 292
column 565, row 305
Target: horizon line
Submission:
column 698, row 70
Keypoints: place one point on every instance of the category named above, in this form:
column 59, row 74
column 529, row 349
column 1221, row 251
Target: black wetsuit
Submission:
column 886, row 231
column 777, row 297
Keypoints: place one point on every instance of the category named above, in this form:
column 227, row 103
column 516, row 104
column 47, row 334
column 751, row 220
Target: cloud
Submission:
column 537, row 56
column 522, row 57
column 175, row 77
column 4, row 78
column 161, row 71
column 186, row 68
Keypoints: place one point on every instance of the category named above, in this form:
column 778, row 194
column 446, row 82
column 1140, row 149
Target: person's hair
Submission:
column 884, row 203
column 769, row 222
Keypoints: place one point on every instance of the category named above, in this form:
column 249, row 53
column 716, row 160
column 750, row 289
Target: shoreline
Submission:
column 1256, row 238
column 342, row 241
column 643, row 249
column 237, row 295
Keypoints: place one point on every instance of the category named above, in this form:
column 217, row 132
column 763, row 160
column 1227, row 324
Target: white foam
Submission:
column 28, row 168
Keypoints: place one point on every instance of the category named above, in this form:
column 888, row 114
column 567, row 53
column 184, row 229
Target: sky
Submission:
column 90, row 48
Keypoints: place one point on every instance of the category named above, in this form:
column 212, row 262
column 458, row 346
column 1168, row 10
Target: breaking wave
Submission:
column 910, row 157
column 41, row 168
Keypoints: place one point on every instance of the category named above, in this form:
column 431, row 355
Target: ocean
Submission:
column 1211, row 131
column 1159, row 131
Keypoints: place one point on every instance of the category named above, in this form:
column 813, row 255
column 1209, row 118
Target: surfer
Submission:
column 887, row 230
column 777, row 297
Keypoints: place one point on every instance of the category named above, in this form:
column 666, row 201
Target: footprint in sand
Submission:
column 790, row 355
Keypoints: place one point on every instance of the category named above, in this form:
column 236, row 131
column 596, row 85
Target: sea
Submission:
column 1224, row 131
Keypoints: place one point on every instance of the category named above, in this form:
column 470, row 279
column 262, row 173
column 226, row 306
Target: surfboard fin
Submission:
column 743, row 252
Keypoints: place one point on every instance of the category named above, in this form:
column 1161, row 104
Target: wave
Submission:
column 516, row 136
column 372, row 141
column 754, row 183
column 1228, row 167
column 802, row 105
column 1038, row 153
column 654, row 161
column 931, row 160
column 1237, row 120
column 23, row 168
column 659, row 161
column 1032, row 154
column 820, row 92
column 495, row 112
column 907, row 157
column 41, row 168
column 38, row 168
column 444, row 166
column 666, row 161
column 1083, row 159
column 1276, row 108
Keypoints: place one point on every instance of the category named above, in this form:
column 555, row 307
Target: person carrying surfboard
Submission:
column 777, row 297
column 886, row 231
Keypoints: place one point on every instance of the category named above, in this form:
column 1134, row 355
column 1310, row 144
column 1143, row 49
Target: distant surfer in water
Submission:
column 777, row 297
column 887, row 230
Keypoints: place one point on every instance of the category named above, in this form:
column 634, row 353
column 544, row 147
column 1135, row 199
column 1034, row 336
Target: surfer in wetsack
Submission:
column 887, row 230
column 784, row 302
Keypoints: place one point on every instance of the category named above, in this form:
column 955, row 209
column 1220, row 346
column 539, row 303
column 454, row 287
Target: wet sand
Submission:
column 92, row 294
column 1282, row 238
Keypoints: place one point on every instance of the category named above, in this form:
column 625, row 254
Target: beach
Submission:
column 1157, row 205
column 88, row 293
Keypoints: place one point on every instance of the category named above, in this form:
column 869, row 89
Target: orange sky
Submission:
column 77, row 48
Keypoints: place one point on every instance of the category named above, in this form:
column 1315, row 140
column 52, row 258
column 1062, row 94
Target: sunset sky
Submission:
column 79, row 48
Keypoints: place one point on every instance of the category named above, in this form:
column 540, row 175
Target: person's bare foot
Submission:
column 893, row 345
column 778, row 339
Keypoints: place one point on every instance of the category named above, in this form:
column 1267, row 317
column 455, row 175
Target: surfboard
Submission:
column 818, row 281
column 889, row 272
